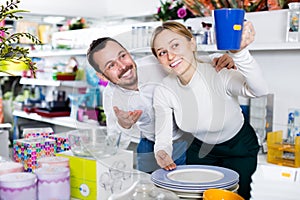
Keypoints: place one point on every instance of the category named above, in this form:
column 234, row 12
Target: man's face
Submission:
column 117, row 65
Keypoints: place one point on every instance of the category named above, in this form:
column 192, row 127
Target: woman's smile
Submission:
column 176, row 63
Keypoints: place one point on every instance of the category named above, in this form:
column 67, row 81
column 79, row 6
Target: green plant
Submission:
column 9, row 51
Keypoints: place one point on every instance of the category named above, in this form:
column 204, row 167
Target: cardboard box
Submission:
column 98, row 179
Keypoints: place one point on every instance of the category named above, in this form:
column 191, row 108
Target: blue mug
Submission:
column 229, row 28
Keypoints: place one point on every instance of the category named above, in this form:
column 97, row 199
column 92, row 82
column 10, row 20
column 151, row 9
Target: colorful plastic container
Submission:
column 53, row 183
column 17, row 186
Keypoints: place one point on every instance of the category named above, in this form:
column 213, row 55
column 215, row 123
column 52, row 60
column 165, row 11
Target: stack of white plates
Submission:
column 190, row 181
column 275, row 182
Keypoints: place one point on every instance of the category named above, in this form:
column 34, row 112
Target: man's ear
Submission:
column 101, row 76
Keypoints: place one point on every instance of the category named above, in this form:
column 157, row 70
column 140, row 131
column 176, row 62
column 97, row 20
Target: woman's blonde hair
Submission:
column 173, row 26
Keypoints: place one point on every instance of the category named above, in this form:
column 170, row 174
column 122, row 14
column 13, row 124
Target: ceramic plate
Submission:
column 192, row 189
column 192, row 175
column 200, row 195
column 196, row 175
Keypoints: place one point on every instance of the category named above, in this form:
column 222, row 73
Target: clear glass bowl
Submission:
column 144, row 189
column 92, row 143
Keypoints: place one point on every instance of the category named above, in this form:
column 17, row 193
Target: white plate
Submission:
column 270, row 196
column 200, row 195
column 276, row 188
column 188, row 195
column 233, row 188
column 192, row 190
column 196, row 188
column 196, row 175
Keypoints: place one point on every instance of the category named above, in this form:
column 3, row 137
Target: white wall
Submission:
column 282, row 72
column 281, row 67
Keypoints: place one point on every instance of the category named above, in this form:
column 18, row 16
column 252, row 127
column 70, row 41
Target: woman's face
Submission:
column 175, row 52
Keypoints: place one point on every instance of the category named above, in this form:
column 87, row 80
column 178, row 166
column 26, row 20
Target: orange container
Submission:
column 220, row 194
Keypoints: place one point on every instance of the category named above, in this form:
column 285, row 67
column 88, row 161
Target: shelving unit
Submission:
column 63, row 121
column 259, row 46
column 60, row 121
column 253, row 47
column 42, row 82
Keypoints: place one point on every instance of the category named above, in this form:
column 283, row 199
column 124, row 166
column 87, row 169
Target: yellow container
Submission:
column 281, row 153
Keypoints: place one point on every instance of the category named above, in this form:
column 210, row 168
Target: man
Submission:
column 127, row 100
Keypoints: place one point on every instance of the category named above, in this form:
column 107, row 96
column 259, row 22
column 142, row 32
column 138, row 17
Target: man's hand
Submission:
column 164, row 160
column 225, row 61
column 127, row 118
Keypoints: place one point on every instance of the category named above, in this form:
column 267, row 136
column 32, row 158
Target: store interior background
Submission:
column 280, row 61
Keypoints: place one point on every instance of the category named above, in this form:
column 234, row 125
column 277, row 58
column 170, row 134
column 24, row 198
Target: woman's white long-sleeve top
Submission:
column 207, row 106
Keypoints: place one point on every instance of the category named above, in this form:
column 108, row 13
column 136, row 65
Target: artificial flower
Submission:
column 171, row 10
column 181, row 13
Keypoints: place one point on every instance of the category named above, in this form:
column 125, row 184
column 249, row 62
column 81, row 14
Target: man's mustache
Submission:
column 125, row 70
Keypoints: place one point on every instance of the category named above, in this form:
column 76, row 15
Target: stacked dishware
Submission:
column 190, row 181
column 275, row 182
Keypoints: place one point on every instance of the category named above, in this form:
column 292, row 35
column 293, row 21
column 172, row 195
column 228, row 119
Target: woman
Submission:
column 204, row 102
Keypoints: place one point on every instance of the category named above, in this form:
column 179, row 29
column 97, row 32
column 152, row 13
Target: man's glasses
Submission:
column 114, row 63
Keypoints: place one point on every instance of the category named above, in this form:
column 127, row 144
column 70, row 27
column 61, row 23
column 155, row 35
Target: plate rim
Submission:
column 230, row 176
column 235, row 186
column 189, row 188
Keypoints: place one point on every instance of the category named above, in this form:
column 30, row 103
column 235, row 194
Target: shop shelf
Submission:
column 282, row 153
column 58, row 52
column 42, row 82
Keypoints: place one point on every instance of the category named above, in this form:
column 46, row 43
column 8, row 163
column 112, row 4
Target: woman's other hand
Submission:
column 224, row 61
column 248, row 36
column 164, row 160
